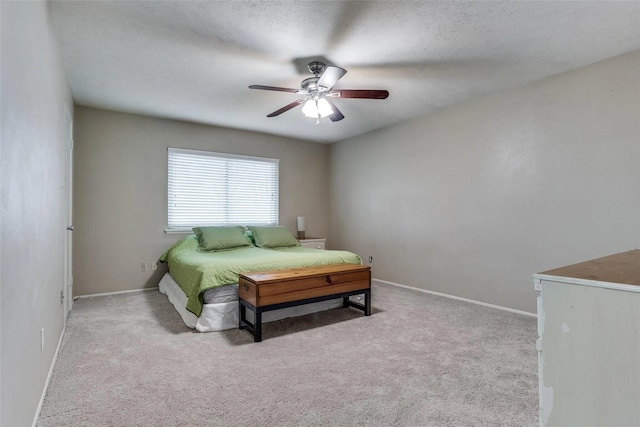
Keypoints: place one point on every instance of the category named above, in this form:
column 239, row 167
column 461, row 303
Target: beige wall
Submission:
column 120, row 199
column 34, row 90
column 472, row 200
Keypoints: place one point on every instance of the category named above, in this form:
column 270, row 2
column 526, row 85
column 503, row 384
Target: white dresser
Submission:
column 589, row 345
column 313, row 242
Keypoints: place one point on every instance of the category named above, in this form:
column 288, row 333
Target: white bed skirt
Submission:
column 226, row 315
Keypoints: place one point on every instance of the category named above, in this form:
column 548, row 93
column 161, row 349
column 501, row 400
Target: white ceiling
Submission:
column 194, row 60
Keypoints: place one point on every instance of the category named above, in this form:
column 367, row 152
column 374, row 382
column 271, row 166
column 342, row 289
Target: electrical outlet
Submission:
column 370, row 259
column 143, row 266
column 41, row 339
column 154, row 266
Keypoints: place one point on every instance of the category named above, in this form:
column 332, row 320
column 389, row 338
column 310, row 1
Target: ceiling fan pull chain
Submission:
column 318, row 110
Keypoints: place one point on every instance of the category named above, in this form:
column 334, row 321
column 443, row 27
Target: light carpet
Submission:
column 418, row 360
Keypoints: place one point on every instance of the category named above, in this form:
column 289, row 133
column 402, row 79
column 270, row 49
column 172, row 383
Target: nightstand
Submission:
column 313, row 242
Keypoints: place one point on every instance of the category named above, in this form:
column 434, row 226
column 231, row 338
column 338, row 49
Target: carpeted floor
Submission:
column 418, row 360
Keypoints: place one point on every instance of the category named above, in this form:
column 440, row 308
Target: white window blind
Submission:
column 207, row 188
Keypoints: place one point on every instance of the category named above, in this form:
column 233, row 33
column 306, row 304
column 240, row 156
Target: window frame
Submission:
column 184, row 229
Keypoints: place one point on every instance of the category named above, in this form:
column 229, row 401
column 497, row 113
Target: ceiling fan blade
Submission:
column 286, row 108
column 279, row 89
column 363, row 94
column 337, row 114
column 331, row 76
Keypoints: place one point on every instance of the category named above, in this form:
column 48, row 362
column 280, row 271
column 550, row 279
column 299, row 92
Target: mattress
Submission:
column 226, row 293
column 221, row 310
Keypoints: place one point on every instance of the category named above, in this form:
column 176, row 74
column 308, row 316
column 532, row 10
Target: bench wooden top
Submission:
column 302, row 272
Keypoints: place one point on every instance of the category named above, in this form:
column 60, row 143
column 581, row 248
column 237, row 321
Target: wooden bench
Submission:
column 272, row 290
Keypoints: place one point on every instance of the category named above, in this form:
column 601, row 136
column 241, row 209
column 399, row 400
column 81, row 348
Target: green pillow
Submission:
column 273, row 237
column 221, row 238
column 249, row 234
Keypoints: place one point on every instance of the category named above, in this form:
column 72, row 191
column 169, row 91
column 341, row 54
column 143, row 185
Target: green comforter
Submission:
column 196, row 271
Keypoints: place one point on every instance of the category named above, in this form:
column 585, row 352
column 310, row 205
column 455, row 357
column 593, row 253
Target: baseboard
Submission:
column 115, row 293
column 46, row 383
column 55, row 356
column 499, row 307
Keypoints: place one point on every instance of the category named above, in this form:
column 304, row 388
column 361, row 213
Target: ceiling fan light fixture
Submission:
column 315, row 108
column 315, row 89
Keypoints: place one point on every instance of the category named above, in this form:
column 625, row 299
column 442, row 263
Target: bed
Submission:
column 202, row 281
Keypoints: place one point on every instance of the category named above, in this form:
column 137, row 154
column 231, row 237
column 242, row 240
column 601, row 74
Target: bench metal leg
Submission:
column 366, row 307
column 243, row 316
column 367, row 303
column 257, row 326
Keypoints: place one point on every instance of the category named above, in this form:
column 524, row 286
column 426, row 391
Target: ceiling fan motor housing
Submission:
column 316, row 67
column 311, row 84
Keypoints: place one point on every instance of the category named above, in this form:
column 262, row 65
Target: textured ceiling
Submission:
column 193, row 61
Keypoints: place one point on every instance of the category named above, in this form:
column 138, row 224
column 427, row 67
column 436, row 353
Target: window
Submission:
column 207, row 188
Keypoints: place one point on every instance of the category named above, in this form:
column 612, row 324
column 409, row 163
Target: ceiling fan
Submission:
column 318, row 91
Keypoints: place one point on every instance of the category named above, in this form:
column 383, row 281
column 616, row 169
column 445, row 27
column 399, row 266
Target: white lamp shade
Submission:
column 314, row 108
column 301, row 225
